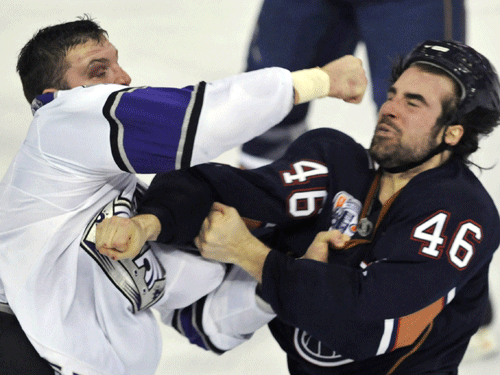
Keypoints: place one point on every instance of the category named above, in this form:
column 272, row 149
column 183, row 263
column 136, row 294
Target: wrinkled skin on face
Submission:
column 406, row 130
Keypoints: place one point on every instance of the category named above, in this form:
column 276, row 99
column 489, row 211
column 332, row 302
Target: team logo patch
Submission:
column 345, row 213
column 365, row 227
column 315, row 352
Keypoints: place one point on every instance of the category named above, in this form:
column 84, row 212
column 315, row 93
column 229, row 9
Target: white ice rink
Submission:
column 177, row 43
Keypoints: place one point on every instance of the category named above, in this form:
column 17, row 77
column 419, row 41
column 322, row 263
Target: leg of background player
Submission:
column 390, row 29
column 17, row 355
column 295, row 35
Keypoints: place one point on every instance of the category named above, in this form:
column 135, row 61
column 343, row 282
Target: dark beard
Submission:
column 390, row 153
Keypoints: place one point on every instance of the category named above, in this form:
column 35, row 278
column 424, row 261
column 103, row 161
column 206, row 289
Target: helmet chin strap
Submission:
column 440, row 148
column 405, row 167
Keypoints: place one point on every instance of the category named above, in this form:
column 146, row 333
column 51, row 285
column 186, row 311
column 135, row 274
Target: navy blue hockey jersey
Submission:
column 407, row 293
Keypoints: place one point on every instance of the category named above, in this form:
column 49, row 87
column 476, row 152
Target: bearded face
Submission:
column 408, row 129
column 389, row 148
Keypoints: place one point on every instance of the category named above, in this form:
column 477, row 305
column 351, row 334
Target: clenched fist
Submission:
column 120, row 238
column 347, row 79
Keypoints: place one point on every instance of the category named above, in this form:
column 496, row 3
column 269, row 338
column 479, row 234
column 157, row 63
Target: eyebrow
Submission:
column 410, row 96
column 91, row 66
column 102, row 60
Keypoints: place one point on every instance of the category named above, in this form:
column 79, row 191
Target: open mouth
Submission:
column 385, row 127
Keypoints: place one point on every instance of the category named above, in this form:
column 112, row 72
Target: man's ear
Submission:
column 453, row 134
column 49, row 90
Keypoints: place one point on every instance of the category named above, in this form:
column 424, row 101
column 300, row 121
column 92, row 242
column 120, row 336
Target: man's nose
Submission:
column 122, row 78
column 390, row 108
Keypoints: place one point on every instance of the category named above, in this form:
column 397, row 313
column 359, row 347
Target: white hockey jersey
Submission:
column 83, row 312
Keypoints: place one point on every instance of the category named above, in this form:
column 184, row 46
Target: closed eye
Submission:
column 416, row 100
column 98, row 72
column 98, row 68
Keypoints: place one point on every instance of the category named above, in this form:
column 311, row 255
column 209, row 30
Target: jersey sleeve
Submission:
column 423, row 256
column 288, row 191
column 111, row 128
column 239, row 108
column 152, row 129
column 161, row 129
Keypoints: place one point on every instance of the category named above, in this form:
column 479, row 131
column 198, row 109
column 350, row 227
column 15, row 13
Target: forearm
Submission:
column 310, row 84
column 224, row 237
column 180, row 200
column 252, row 257
column 244, row 106
column 150, row 226
column 353, row 306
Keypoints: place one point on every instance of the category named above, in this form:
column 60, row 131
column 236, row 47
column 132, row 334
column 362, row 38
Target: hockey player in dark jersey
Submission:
column 406, row 292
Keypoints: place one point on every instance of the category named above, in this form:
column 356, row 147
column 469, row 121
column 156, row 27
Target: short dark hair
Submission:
column 477, row 123
column 41, row 63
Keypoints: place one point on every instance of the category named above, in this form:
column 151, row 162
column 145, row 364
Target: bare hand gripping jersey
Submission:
column 83, row 312
column 404, row 298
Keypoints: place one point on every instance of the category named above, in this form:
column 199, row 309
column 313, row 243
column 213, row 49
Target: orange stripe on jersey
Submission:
column 413, row 350
column 372, row 195
column 251, row 224
column 410, row 327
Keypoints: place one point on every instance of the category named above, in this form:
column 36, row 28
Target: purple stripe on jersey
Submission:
column 186, row 320
column 147, row 127
column 41, row 100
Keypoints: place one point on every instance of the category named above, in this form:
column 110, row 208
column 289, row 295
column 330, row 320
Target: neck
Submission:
column 390, row 183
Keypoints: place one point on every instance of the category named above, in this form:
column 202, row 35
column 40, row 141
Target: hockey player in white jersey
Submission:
column 91, row 132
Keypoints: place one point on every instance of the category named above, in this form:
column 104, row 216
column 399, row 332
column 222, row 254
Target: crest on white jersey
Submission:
column 142, row 279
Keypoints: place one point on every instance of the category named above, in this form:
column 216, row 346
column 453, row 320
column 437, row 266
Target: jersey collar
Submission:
column 41, row 100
